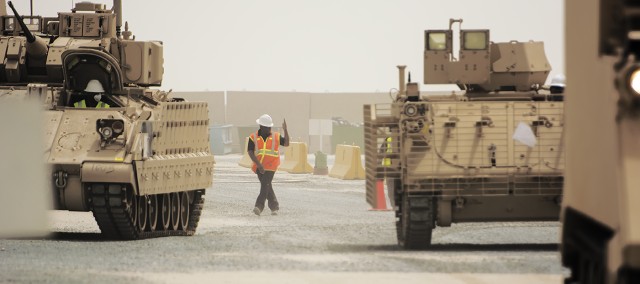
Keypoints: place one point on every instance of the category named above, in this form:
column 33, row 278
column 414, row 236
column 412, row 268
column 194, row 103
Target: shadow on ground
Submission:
column 455, row 247
column 77, row 237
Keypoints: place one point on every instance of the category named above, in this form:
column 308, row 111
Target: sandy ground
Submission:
column 324, row 233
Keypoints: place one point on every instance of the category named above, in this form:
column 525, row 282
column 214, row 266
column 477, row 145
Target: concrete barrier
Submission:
column 295, row 159
column 246, row 160
column 348, row 164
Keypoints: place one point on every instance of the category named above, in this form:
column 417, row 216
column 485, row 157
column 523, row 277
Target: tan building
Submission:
column 241, row 108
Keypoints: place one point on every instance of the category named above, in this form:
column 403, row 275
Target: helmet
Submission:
column 94, row 86
column 558, row 81
column 265, row 120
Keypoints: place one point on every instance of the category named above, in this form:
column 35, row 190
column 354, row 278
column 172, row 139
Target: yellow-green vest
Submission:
column 387, row 161
column 83, row 104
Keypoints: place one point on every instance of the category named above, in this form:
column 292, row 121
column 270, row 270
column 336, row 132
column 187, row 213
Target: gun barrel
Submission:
column 117, row 8
column 30, row 37
column 37, row 48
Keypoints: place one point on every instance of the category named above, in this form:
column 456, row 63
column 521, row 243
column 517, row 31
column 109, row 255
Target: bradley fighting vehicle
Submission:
column 600, row 212
column 141, row 161
column 492, row 151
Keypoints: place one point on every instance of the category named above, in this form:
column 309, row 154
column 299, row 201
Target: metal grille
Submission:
column 379, row 125
column 181, row 128
column 466, row 148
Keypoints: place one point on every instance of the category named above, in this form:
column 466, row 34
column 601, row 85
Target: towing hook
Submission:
column 60, row 179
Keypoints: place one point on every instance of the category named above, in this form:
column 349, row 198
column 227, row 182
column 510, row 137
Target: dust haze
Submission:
column 316, row 46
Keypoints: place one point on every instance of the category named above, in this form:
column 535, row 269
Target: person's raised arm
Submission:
column 286, row 133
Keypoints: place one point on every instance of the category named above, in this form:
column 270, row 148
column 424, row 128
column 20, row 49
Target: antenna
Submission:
column 31, row 3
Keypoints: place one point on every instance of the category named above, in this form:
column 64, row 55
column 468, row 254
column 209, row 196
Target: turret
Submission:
column 31, row 48
column 483, row 65
column 90, row 20
column 36, row 47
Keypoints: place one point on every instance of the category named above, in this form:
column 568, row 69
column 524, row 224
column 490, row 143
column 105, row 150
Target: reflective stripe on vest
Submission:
column 83, row 104
column 269, row 156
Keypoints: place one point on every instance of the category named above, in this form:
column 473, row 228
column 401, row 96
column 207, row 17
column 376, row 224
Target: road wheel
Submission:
column 133, row 209
column 152, row 212
column 184, row 211
column 165, row 211
column 175, row 211
column 130, row 203
column 142, row 213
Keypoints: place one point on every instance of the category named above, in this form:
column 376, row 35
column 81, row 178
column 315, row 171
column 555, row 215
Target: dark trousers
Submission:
column 266, row 191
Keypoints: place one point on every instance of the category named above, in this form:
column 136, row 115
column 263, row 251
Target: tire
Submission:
column 415, row 223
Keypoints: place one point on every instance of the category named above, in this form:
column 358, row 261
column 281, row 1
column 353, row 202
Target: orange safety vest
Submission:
column 266, row 151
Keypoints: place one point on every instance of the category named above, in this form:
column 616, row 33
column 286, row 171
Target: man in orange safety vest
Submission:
column 264, row 150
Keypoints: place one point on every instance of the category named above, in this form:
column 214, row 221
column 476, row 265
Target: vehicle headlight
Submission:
column 628, row 81
column 109, row 129
column 410, row 110
column 106, row 132
column 633, row 81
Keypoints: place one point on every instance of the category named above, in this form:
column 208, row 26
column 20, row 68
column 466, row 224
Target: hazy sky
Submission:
column 319, row 45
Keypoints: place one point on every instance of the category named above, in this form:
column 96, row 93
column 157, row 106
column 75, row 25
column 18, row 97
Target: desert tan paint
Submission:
column 462, row 145
column 141, row 60
column 602, row 179
column 172, row 156
column 592, row 142
column 181, row 158
column 147, row 150
column 461, row 152
column 455, row 158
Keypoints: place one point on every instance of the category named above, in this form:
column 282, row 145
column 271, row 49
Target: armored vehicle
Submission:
column 492, row 151
column 600, row 213
column 137, row 158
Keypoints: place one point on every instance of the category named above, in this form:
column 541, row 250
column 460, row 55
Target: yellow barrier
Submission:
column 295, row 159
column 348, row 164
column 246, row 160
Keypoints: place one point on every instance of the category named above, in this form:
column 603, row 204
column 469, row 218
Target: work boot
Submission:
column 257, row 211
column 274, row 212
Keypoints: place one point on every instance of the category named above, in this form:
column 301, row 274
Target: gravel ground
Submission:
column 324, row 233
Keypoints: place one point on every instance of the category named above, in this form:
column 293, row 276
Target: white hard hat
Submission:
column 558, row 81
column 94, row 86
column 265, row 120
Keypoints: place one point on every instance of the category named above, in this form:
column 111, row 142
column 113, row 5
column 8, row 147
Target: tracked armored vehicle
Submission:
column 600, row 212
column 491, row 151
column 137, row 158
